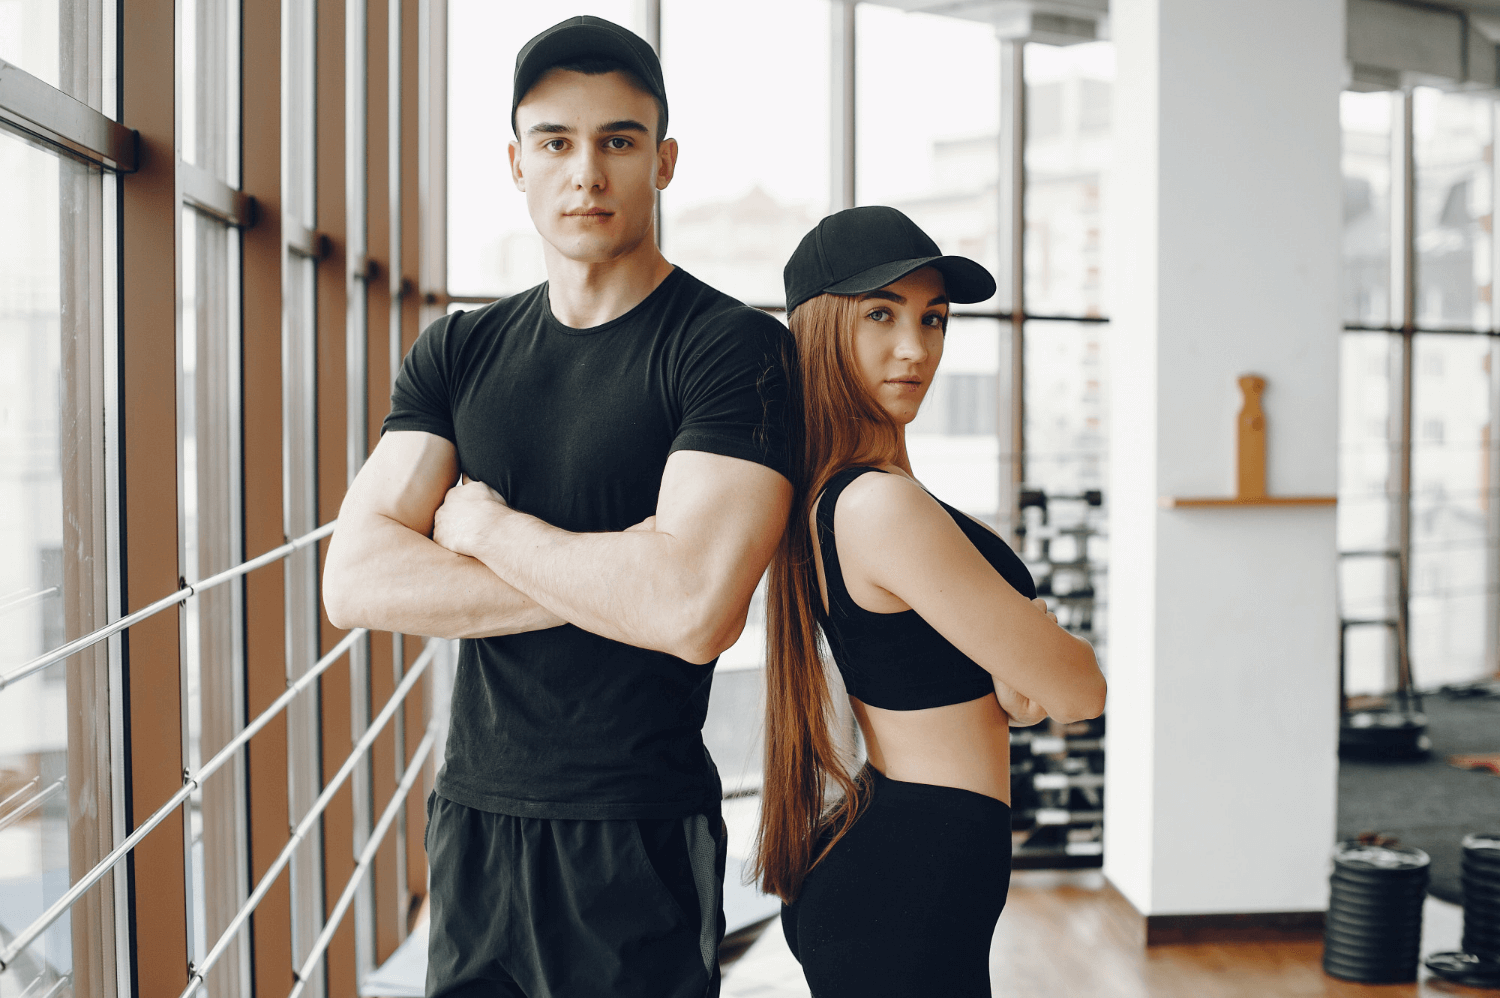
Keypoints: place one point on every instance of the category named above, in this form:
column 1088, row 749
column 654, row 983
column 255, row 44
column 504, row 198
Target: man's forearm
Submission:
column 632, row 586
column 384, row 576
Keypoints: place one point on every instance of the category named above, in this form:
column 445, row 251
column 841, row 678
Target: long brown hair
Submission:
column 809, row 787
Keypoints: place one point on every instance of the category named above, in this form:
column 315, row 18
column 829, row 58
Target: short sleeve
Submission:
column 733, row 390
column 422, row 397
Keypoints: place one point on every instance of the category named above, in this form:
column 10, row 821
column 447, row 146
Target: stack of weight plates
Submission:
column 1479, row 963
column 1374, row 928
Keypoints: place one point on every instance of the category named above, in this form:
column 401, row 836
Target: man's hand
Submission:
column 468, row 513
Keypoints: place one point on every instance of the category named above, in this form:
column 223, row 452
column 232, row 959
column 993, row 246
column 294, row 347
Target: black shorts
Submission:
column 561, row 908
column 906, row 903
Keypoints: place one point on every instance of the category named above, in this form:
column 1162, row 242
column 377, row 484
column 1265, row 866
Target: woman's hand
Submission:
column 1022, row 711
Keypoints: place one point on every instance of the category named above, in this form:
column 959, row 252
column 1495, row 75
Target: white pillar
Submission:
column 1223, row 652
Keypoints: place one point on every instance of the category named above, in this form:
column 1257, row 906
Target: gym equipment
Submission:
column 1481, row 885
column 1374, row 929
column 1057, row 770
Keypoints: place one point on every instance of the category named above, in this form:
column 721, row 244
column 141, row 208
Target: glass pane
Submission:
column 1367, row 122
column 952, row 442
column 917, row 147
column 1068, row 102
column 213, row 667
column 299, row 461
column 1369, row 405
column 210, row 95
column 731, row 218
column 60, row 42
column 493, row 249
column 1454, row 133
column 1067, row 468
column 56, row 783
column 1450, row 550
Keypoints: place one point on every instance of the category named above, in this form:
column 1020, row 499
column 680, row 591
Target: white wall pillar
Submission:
column 1223, row 657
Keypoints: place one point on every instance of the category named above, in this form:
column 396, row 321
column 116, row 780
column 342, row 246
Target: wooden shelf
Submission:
column 1177, row 502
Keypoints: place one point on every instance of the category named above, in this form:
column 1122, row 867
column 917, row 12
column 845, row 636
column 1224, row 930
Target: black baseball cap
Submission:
column 861, row 249
column 583, row 37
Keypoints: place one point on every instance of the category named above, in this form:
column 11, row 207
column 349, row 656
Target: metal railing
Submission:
column 192, row 782
column 165, row 603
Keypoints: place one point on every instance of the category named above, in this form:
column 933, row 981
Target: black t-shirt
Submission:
column 574, row 426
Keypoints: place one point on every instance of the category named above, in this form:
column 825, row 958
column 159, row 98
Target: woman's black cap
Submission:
column 581, row 38
column 861, row 249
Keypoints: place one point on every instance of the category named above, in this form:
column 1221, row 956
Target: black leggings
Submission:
column 906, row 903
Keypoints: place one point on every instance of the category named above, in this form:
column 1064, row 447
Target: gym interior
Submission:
column 1236, row 401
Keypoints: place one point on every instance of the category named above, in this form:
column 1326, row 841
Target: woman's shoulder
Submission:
column 872, row 504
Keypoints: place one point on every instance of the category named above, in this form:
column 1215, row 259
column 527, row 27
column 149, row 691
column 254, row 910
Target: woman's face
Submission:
column 898, row 340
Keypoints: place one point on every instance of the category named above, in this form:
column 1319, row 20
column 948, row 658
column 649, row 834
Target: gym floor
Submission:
column 1067, row 933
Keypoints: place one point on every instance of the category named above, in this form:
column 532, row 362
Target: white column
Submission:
column 1223, row 652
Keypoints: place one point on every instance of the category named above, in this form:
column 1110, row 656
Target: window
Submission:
column 734, row 213
column 493, row 249
column 60, row 805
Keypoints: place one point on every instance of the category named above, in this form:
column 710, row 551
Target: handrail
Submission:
column 166, row 602
column 306, row 825
column 366, row 858
column 27, row 806
column 191, row 783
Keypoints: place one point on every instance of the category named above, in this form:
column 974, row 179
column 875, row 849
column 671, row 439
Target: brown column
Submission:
column 148, row 491
column 265, row 590
column 378, row 171
column 333, row 470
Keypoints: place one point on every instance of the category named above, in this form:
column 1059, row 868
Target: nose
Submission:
column 911, row 345
column 588, row 173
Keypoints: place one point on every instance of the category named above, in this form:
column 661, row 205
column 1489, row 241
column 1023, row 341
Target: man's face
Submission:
column 589, row 163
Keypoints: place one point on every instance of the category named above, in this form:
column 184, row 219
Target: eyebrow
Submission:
column 623, row 125
column 550, row 128
column 898, row 299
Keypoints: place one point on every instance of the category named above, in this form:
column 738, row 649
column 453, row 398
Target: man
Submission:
column 621, row 430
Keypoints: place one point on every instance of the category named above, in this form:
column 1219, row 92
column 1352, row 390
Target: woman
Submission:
column 894, row 877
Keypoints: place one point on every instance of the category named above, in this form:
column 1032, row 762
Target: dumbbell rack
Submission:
column 1057, row 794
column 1057, row 770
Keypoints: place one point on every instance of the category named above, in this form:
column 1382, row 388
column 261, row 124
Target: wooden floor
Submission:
column 1066, row 935
column 1069, row 934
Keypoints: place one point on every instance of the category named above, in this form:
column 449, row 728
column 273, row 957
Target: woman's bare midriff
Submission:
column 964, row 745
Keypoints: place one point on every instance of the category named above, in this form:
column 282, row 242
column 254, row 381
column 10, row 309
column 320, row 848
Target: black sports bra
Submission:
column 898, row 661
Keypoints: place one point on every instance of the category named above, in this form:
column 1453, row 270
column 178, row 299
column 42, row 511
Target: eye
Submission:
column 617, row 142
column 553, row 145
column 878, row 315
column 935, row 319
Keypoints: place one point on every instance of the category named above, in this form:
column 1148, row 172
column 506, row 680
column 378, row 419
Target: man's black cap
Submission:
column 585, row 37
column 861, row 249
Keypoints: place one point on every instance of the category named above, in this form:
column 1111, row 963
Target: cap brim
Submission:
column 964, row 281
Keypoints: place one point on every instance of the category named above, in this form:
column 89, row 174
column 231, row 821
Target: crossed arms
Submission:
column 680, row 584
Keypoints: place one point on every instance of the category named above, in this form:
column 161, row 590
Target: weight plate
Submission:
column 1465, row 968
column 1366, row 974
column 1480, row 907
column 1382, row 883
column 1370, row 925
column 1483, row 843
column 1356, row 856
column 1384, row 897
column 1382, row 901
column 1373, row 944
column 1481, row 880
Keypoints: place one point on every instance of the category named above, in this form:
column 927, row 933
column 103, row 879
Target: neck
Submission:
column 901, row 460
column 590, row 294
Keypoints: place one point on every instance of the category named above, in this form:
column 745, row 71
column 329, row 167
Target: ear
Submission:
column 666, row 163
column 513, row 150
